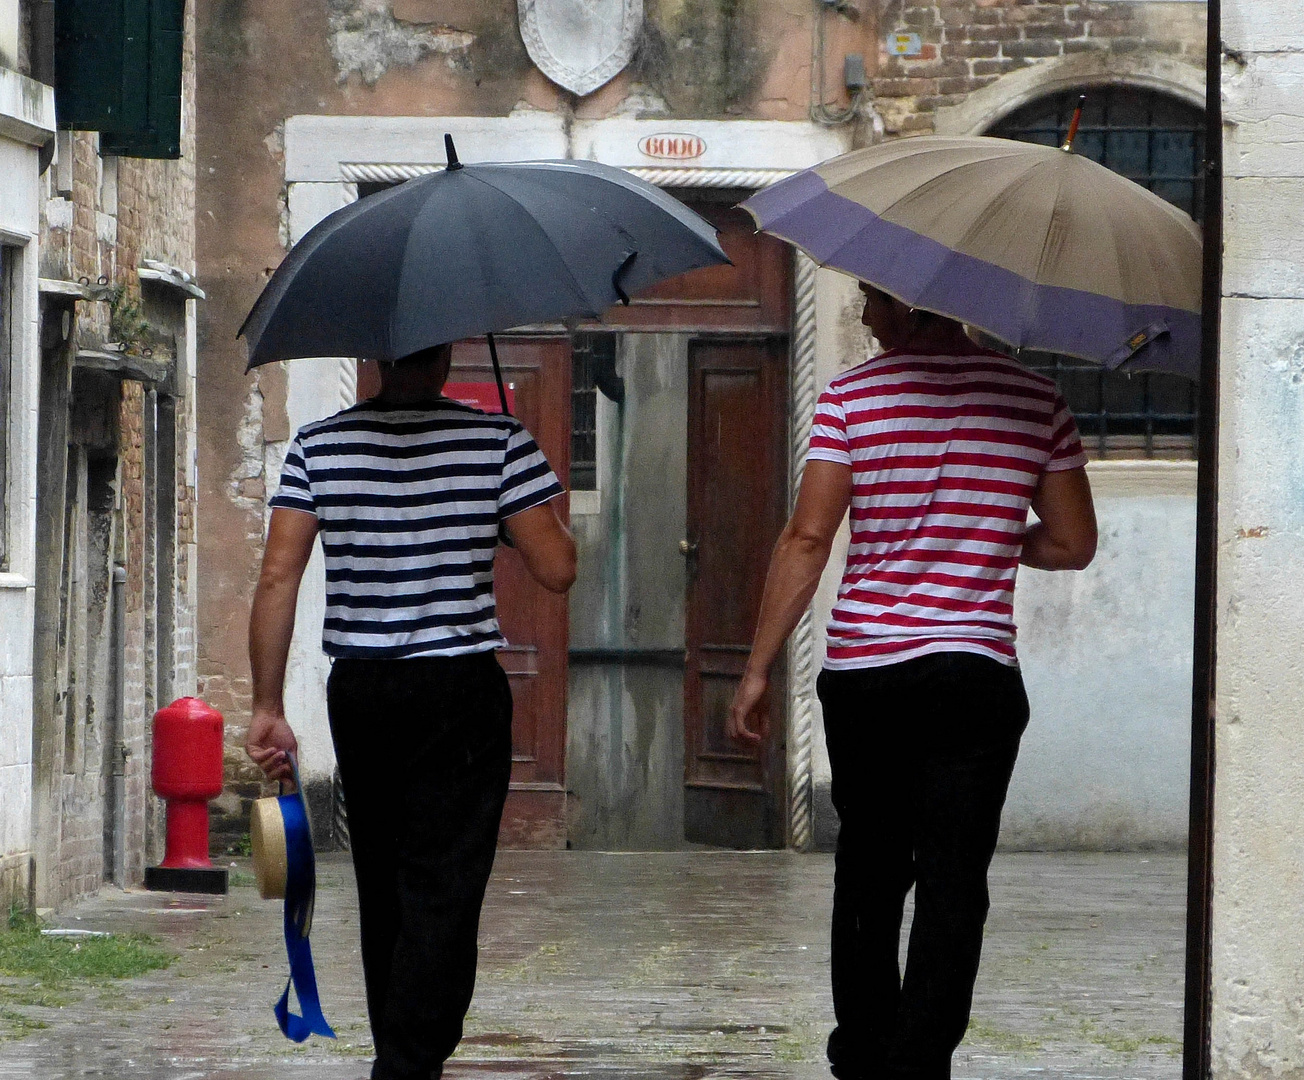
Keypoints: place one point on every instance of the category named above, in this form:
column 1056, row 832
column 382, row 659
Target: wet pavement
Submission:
column 681, row 966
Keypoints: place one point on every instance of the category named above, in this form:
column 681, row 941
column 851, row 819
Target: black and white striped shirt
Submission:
column 409, row 501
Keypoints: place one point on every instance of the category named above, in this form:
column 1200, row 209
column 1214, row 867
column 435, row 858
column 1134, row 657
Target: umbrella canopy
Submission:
column 469, row 250
column 1039, row 247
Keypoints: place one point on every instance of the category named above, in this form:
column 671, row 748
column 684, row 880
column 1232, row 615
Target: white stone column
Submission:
column 26, row 122
column 1258, row 817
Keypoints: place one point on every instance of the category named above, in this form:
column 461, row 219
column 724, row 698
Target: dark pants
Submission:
column 922, row 753
column 424, row 749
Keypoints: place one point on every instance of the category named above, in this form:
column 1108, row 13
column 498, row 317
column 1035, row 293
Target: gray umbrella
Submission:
column 470, row 250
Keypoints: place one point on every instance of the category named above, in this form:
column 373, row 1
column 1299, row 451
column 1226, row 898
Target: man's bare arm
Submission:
column 1065, row 537
column 795, row 568
column 545, row 544
column 290, row 538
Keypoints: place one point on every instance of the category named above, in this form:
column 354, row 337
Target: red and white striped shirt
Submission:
column 945, row 452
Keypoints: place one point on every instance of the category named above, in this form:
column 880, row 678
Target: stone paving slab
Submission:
column 665, row 966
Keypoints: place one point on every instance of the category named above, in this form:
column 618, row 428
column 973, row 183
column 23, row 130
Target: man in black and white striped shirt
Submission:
column 408, row 492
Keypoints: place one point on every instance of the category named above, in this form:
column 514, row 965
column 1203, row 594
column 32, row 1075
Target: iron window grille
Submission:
column 591, row 353
column 1158, row 142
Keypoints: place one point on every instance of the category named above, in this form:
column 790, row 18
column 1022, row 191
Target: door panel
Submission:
column 533, row 620
column 737, row 498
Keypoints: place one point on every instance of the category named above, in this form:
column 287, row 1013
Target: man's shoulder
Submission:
column 447, row 416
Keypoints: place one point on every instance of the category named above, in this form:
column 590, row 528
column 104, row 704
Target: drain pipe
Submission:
column 119, row 749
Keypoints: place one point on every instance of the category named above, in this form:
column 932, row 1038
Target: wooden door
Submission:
column 734, row 793
column 533, row 620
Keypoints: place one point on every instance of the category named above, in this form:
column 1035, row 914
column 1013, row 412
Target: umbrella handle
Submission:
column 498, row 375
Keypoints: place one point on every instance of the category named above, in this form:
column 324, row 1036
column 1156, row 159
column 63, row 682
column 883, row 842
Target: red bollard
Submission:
column 187, row 772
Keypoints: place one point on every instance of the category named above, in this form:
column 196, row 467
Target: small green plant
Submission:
column 45, row 971
column 127, row 323
column 999, row 1039
column 56, row 961
column 244, row 846
column 1123, row 1042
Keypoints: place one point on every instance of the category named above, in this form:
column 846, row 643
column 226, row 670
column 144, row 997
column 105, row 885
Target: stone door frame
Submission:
column 327, row 156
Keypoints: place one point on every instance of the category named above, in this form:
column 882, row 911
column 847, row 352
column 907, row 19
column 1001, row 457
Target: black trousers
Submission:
column 922, row 752
column 424, row 749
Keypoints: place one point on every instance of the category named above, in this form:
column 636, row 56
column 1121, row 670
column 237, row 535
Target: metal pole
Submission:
column 1196, row 1063
column 118, row 807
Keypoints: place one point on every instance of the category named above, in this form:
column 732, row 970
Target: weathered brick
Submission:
column 944, row 69
column 1035, row 13
column 955, row 86
column 994, row 33
column 978, row 50
column 904, row 87
column 1030, row 49
column 992, row 67
column 1055, row 31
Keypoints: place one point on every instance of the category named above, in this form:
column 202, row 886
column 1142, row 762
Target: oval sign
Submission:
column 672, row 145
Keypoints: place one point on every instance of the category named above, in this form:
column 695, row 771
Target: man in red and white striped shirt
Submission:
column 938, row 448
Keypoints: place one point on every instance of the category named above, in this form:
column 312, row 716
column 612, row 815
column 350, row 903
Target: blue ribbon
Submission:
column 300, row 895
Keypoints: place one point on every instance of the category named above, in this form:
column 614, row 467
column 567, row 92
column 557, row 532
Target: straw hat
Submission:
column 267, row 839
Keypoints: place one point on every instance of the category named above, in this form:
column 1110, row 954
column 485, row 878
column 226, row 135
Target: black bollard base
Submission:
column 186, row 879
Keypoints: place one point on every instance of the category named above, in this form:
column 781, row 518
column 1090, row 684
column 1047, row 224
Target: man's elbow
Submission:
column 806, row 542
column 1082, row 551
column 559, row 575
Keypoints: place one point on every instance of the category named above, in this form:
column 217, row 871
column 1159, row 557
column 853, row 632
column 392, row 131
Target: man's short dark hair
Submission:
column 432, row 355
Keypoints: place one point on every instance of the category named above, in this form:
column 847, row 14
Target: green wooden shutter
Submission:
column 159, row 136
column 100, row 46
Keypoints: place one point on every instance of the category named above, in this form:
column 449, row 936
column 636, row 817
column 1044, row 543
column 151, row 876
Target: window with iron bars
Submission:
column 591, row 353
column 1158, row 142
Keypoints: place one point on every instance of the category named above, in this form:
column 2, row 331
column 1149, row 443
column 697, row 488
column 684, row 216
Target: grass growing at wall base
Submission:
column 47, row 972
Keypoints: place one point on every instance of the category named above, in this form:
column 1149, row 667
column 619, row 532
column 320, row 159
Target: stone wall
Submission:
column 972, row 44
column 1258, row 848
column 100, row 218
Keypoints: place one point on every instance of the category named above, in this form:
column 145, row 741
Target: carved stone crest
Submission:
column 580, row 44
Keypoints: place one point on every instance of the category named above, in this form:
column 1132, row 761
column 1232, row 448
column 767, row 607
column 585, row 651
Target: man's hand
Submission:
column 749, row 701
column 270, row 743
column 794, row 575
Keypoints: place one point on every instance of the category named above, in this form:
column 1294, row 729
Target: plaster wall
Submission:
column 1106, row 657
column 26, row 119
column 1258, row 873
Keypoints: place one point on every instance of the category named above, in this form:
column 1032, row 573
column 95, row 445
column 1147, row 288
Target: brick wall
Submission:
column 117, row 214
column 970, row 44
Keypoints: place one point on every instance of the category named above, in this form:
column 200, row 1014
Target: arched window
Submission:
column 1158, row 141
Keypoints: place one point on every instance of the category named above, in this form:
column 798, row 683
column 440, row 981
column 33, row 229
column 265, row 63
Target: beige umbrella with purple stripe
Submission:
column 1036, row 245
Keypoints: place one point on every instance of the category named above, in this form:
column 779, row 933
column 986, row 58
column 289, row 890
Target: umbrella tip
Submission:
column 450, row 152
column 1073, row 125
